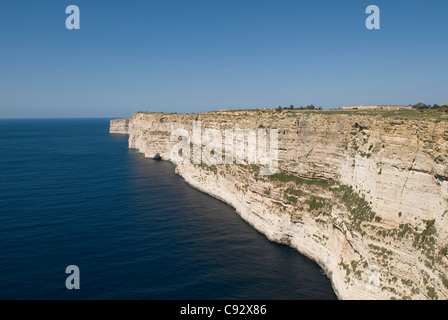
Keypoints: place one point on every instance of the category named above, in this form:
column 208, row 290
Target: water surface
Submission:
column 72, row 194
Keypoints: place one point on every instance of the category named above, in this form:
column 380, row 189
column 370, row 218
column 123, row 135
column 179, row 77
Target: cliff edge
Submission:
column 364, row 196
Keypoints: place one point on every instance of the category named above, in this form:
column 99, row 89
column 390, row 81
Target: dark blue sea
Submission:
column 72, row 194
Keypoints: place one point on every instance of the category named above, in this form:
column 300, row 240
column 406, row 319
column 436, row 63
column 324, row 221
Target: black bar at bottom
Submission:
column 227, row 309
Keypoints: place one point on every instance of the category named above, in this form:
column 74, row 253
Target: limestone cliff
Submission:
column 120, row 126
column 364, row 196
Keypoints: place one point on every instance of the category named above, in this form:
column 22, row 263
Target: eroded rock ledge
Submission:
column 364, row 196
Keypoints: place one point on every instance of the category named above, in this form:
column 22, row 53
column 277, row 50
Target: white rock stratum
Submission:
column 366, row 197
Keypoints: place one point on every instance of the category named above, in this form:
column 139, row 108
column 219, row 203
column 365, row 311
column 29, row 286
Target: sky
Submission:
column 201, row 55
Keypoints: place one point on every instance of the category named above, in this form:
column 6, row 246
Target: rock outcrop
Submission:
column 120, row 126
column 366, row 197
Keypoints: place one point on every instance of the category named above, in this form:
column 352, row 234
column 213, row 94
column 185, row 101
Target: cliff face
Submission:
column 120, row 126
column 364, row 196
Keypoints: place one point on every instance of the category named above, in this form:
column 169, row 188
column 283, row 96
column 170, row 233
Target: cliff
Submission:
column 364, row 196
column 120, row 126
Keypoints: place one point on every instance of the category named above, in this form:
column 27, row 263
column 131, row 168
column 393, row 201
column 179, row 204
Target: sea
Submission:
column 71, row 194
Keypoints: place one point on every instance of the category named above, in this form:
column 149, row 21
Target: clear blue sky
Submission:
column 191, row 55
